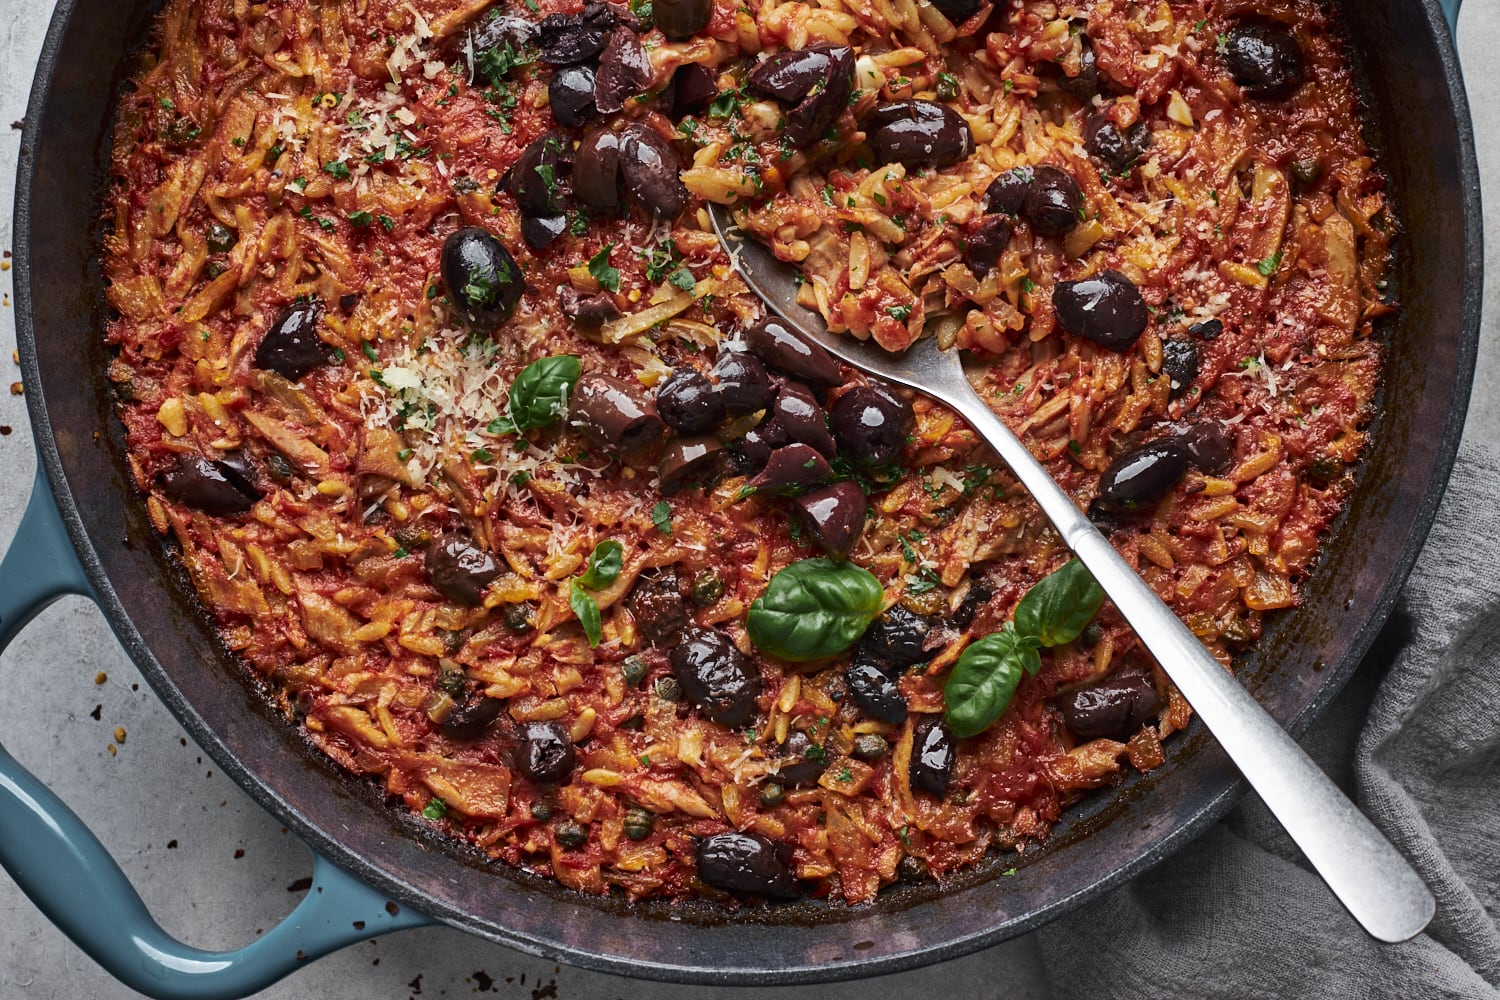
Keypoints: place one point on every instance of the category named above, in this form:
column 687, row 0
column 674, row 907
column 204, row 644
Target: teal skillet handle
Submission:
column 71, row 878
column 1450, row 11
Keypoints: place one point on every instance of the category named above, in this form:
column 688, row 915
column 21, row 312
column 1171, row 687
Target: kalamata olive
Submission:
column 807, row 763
column 220, row 238
column 896, row 637
column 541, row 231
column 1208, row 329
column 624, row 70
column 875, row 692
column 976, row 597
column 1116, row 148
column 742, row 383
column 918, row 132
column 1107, row 309
column 898, row 401
column 745, row 862
column 1086, row 84
column 1264, row 60
column 1117, row 706
column 869, row 747
column 483, row 280
column 987, row 241
column 460, row 569
column 867, row 428
column 609, row 412
column 834, row 515
column 753, row 451
column 1007, row 193
column 791, row 468
column 545, row 752
column 797, row 410
column 1144, row 474
column 932, row 753
column 656, row 604
column 535, row 175
column 469, row 721
column 291, row 347
column 587, row 310
column 207, row 486
column 596, row 172
column 680, row 20
column 686, row 400
column 242, row 472
column 958, row 11
column 1053, row 201
column 691, row 90
column 566, row 39
column 570, row 95
column 651, row 171
column 686, row 460
column 716, row 676
column 779, row 346
column 1179, row 363
column 816, row 80
column 1208, row 445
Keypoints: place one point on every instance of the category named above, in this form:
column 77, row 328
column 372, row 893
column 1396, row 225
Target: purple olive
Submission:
column 1179, row 363
column 791, row 468
column 596, row 172
column 482, row 279
column 874, row 691
column 657, row 605
column 545, row 752
column 745, row 862
column 1117, row 149
column 958, row 11
column 1086, row 84
column 798, row 411
column 806, row 761
column 742, row 383
column 609, row 412
column 686, row 459
column 1053, row 201
column 932, row 754
column 895, row 638
column 1107, row 309
column 1117, row 706
column 651, row 171
column 753, row 451
column 541, row 231
column 1209, row 329
column 472, row 718
column 779, row 346
column 868, row 429
column 918, row 132
column 834, row 515
column 686, row 400
column 680, row 20
column 567, row 39
column 570, row 94
column 291, row 347
column 535, row 175
column 985, row 244
column 624, row 71
column 459, row 569
column 212, row 487
column 691, row 90
column 716, row 676
column 1209, row 447
column 1143, row 475
column 815, row 80
column 587, row 310
column 1265, row 61
column 1007, row 193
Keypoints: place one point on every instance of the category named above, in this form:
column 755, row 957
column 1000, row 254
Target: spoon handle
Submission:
column 1367, row 874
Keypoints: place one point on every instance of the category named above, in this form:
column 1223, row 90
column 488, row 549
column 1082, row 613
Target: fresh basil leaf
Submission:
column 984, row 680
column 814, row 608
column 587, row 610
column 1060, row 605
column 539, row 395
column 605, row 563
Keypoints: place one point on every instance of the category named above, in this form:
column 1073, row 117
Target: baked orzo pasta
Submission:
column 509, row 493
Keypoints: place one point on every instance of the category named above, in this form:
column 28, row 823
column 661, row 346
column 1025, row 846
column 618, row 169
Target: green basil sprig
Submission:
column 814, row 608
column 539, row 395
column 605, row 563
column 984, row 681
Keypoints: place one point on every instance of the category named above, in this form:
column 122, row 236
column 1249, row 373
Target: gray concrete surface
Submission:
column 211, row 865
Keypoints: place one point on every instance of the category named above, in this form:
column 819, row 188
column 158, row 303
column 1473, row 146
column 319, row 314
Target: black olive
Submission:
column 587, row 310
column 753, row 451
column 834, row 514
column 869, row 747
column 688, row 459
column 791, row 468
column 348, row 302
column 651, row 172
column 241, row 471
column 680, row 20
column 815, row 80
column 958, row 11
column 570, row 834
column 691, row 90
column 1208, row 329
column 609, row 412
column 1007, row 193
column 221, row 239
column 1323, row 469
column 1144, row 474
column 1107, row 309
column 460, row 569
column 1117, row 149
column 686, row 400
column 987, row 241
column 742, row 383
column 869, row 431
column 779, row 346
column 535, row 176
column 566, row 39
column 1179, row 363
column 638, row 823
column 471, row 719
column 917, row 132
column 716, row 676
column 656, row 604
column 291, row 347
column 1264, row 60
column 570, row 94
column 211, row 487
column 707, row 588
column 896, row 637
column 624, row 71
column 875, row 692
column 545, row 752
column 1208, row 446
column 808, row 761
column 797, row 410
column 1086, row 84
column 1053, row 201
column 976, row 597
column 596, row 172
column 542, row 231
column 932, row 753
column 1117, row 706
column 745, row 862
column 483, row 280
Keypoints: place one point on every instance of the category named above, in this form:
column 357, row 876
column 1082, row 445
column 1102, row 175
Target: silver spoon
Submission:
column 1364, row 871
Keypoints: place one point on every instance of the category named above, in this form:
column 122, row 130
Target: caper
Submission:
column 668, row 689
column 771, row 795
column 1307, row 171
column 411, row 536
column 869, row 747
column 518, row 617
column 453, row 640
column 453, row 681
column 634, row 670
column 541, row 811
column 569, row 834
column 279, row 468
column 911, row 867
column 221, row 239
column 708, row 587
column 638, row 823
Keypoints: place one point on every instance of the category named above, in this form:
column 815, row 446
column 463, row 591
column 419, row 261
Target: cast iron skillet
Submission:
column 1420, row 126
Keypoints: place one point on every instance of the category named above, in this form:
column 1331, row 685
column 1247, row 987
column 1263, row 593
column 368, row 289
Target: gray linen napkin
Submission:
column 1416, row 737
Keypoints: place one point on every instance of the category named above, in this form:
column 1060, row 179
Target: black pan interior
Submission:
column 1422, row 131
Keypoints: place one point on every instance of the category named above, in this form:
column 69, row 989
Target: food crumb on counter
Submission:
column 101, row 677
column 120, row 735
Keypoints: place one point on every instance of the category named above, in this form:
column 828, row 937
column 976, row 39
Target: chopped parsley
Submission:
column 387, row 223
column 435, row 809
column 683, row 278
column 608, row 277
column 361, row 219
column 661, row 516
column 369, row 349
column 901, row 313
column 1268, row 266
column 947, row 86
column 338, row 169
